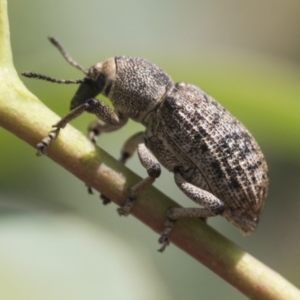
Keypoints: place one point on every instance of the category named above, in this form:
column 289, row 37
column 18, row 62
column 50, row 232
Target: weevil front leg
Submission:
column 93, row 106
column 212, row 206
column 152, row 166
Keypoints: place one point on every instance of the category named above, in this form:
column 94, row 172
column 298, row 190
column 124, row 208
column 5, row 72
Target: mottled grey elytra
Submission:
column 215, row 160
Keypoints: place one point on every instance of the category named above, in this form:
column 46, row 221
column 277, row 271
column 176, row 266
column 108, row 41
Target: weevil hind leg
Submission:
column 212, row 206
column 175, row 213
column 151, row 164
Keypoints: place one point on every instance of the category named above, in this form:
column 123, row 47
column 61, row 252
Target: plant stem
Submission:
column 25, row 116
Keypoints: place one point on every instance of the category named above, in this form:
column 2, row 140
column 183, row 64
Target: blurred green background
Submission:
column 58, row 242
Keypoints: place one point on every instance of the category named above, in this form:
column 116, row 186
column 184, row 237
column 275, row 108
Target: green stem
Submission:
column 24, row 115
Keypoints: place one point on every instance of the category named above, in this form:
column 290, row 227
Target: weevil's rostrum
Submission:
column 215, row 160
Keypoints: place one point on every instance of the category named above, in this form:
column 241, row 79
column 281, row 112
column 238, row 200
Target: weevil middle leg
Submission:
column 127, row 151
column 130, row 146
column 94, row 130
column 151, row 164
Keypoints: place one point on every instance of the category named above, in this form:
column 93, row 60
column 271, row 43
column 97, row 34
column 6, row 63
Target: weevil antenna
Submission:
column 48, row 78
column 66, row 55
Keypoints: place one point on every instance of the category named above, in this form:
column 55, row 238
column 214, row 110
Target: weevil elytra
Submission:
column 215, row 160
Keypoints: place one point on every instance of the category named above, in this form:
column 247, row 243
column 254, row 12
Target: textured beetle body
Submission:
column 188, row 130
column 215, row 160
column 192, row 132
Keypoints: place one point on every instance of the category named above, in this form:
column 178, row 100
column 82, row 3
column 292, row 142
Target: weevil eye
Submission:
column 100, row 82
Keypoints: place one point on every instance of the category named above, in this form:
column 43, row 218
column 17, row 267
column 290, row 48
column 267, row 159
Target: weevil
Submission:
column 215, row 160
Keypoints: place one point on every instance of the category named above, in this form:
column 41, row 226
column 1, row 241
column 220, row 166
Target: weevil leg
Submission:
column 152, row 166
column 108, row 121
column 212, row 206
column 93, row 106
column 44, row 144
column 99, row 126
column 127, row 151
column 94, row 130
column 130, row 146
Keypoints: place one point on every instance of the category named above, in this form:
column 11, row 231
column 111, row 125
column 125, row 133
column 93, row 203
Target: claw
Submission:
column 90, row 190
column 122, row 211
column 104, row 199
column 164, row 238
column 41, row 149
column 126, row 208
column 165, row 241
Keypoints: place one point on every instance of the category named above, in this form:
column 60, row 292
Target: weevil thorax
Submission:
column 138, row 87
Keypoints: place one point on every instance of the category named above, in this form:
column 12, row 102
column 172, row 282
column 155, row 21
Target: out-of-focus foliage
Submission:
column 245, row 54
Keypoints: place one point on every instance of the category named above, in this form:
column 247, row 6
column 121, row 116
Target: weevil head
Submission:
column 134, row 85
column 99, row 79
